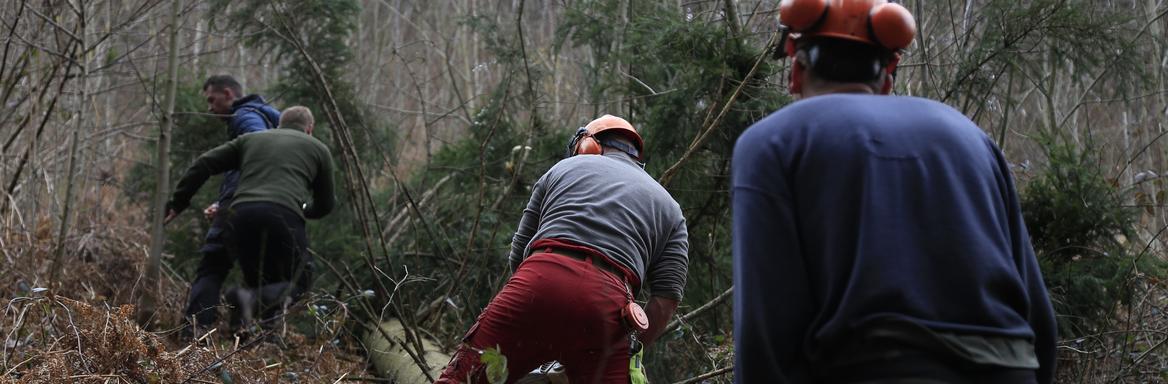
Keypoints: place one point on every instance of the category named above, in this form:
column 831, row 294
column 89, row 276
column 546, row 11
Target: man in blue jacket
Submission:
column 243, row 115
column 878, row 239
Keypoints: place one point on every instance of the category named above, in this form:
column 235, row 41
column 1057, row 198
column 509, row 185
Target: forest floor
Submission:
column 1131, row 350
column 65, row 340
column 84, row 330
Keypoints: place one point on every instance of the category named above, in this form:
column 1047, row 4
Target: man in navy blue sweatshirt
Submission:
column 878, row 239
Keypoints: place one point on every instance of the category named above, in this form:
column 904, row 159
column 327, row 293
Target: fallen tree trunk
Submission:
column 392, row 362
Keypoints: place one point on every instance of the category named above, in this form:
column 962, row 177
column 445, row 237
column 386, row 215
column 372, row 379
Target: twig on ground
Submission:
column 197, row 341
column 219, row 362
column 368, row 379
column 707, row 375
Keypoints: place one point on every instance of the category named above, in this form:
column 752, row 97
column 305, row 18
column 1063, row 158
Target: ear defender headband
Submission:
column 585, row 141
column 876, row 22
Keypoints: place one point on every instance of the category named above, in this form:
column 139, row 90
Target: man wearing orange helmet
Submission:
column 877, row 239
column 596, row 227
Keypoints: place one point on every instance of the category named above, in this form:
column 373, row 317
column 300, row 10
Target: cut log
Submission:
column 392, row 362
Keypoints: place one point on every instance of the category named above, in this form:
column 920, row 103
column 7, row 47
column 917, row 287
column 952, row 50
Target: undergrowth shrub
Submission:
column 1080, row 226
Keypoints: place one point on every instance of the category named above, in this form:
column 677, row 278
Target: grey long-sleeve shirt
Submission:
column 609, row 203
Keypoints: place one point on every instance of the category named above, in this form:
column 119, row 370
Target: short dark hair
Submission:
column 222, row 82
column 845, row 61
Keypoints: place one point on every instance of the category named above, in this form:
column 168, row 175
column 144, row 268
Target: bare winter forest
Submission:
column 441, row 113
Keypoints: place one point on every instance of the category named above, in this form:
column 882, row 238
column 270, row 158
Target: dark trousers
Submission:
column 269, row 243
column 213, row 269
column 271, row 247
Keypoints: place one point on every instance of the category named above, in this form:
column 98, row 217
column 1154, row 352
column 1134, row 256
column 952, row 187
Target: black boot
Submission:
column 243, row 308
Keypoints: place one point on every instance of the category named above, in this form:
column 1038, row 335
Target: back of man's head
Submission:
column 297, row 117
column 221, row 82
column 844, row 61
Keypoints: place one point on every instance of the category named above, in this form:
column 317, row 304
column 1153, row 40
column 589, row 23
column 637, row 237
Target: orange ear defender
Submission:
column 583, row 143
column 802, row 15
column 892, row 26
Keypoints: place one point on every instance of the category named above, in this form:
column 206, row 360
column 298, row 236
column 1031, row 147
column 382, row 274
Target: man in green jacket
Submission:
column 285, row 178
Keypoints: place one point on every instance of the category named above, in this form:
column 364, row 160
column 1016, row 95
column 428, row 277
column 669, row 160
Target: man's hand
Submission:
column 211, row 211
column 660, row 310
column 170, row 215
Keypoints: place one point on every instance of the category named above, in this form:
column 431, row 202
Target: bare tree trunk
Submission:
column 197, row 44
column 157, row 239
column 732, row 20
column 74, row 142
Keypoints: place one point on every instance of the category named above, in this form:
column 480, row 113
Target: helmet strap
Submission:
column 785, row 46
column 629, row 149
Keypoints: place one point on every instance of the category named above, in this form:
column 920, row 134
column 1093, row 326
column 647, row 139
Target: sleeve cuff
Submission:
column 672, row 294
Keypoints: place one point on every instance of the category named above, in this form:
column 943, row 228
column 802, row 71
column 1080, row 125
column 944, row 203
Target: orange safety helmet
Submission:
column 875, row 22
column 584, row 142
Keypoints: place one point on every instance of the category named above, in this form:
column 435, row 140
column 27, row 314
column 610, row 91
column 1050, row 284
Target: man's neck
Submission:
column 838, row 88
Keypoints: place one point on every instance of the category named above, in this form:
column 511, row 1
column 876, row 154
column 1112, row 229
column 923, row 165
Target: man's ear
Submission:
column 799, row 63
column 886, row 87
column 890, row 74
column 801, row 58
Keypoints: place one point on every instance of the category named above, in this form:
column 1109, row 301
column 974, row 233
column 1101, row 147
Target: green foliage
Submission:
column 668, row 74
column 1037, row 37
column 194, row 132
column 1073, row 209
column 1076, row 218
column 468, row 238
column 283, row 27
column 290, row 29
column 496, row 365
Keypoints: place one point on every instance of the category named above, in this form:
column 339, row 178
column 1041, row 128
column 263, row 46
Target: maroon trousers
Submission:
column 554, row 307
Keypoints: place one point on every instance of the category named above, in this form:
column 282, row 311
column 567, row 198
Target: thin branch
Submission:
column 705, row 307
column 1111, row 65
column 701, row 139
column 707, row 375
column 59, row 28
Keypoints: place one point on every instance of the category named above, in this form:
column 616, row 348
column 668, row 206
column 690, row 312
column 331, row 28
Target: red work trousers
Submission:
column 554, row 307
